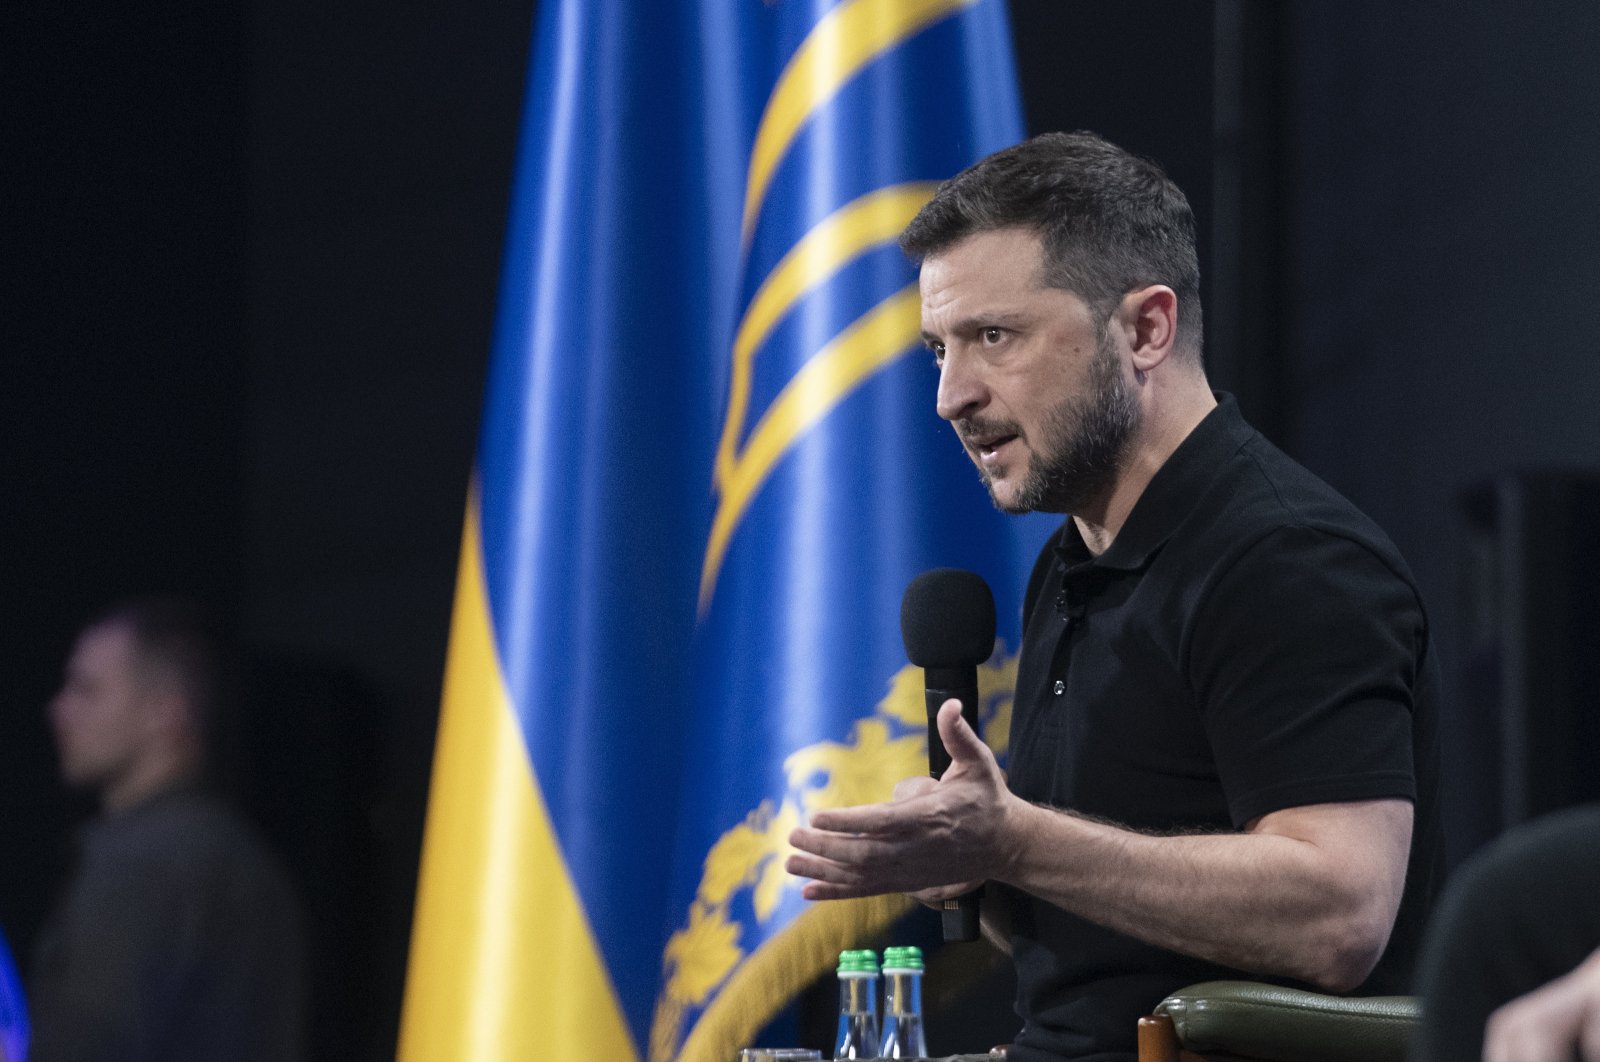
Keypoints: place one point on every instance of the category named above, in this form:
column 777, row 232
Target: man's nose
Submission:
column 961, row 392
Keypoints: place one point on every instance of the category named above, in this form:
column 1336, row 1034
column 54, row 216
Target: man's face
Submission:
column 1034, row 386
column 99, row 714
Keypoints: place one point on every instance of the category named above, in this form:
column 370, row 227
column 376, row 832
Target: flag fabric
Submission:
column 709, row 466
column 14, row 1027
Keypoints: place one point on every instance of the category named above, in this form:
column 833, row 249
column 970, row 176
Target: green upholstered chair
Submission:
column 1243, row 1021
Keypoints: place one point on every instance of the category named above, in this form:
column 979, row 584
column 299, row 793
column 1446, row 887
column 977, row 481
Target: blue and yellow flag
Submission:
column 14, row 1028
column 709, row 467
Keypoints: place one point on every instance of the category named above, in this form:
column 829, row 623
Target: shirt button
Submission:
column 1061, row 687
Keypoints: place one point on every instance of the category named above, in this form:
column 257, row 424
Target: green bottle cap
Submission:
column 902, row 959
column 858, row 962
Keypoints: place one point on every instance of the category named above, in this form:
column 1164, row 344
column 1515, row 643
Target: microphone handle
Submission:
column 959, row 914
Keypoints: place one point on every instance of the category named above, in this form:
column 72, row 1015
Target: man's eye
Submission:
column 937, row 350
column 992, row 335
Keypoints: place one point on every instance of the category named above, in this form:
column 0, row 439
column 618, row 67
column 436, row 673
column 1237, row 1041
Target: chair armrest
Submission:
column 1262, row 1021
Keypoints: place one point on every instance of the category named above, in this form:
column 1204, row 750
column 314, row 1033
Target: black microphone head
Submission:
column 947, row 619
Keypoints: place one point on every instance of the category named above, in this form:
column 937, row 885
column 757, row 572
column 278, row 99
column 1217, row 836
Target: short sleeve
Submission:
column 1305, row 656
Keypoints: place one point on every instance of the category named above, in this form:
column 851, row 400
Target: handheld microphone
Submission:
column 947, row 624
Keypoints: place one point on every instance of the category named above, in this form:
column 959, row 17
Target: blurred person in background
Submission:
column 1511, row 971
column 177, row 935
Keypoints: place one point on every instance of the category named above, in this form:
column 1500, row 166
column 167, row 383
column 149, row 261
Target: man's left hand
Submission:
column 936, row 839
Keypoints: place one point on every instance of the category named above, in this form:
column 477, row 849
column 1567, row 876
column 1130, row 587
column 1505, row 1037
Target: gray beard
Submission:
column 1084, row 441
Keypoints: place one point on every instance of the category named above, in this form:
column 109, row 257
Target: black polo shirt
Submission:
column 1249, row 642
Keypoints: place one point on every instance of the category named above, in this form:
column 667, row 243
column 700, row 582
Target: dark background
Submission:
column 249, row 259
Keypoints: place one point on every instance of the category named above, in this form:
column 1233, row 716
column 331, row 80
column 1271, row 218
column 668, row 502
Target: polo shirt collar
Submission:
column 1171, row 494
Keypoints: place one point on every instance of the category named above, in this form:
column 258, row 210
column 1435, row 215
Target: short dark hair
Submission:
column 1110, row 221
column 186, row 640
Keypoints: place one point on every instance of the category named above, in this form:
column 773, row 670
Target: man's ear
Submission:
column 167, row 711
column 1150, row 316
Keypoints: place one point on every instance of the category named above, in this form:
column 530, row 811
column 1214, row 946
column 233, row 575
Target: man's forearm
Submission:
column 1306, row 892
column 1317, row 907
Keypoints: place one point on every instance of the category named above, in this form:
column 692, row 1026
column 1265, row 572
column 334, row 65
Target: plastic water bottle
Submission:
column 903, row 1034
column 858, row 1005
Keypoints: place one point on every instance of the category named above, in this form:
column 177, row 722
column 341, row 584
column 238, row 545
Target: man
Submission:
column 1222, row 747
column 177, row 936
